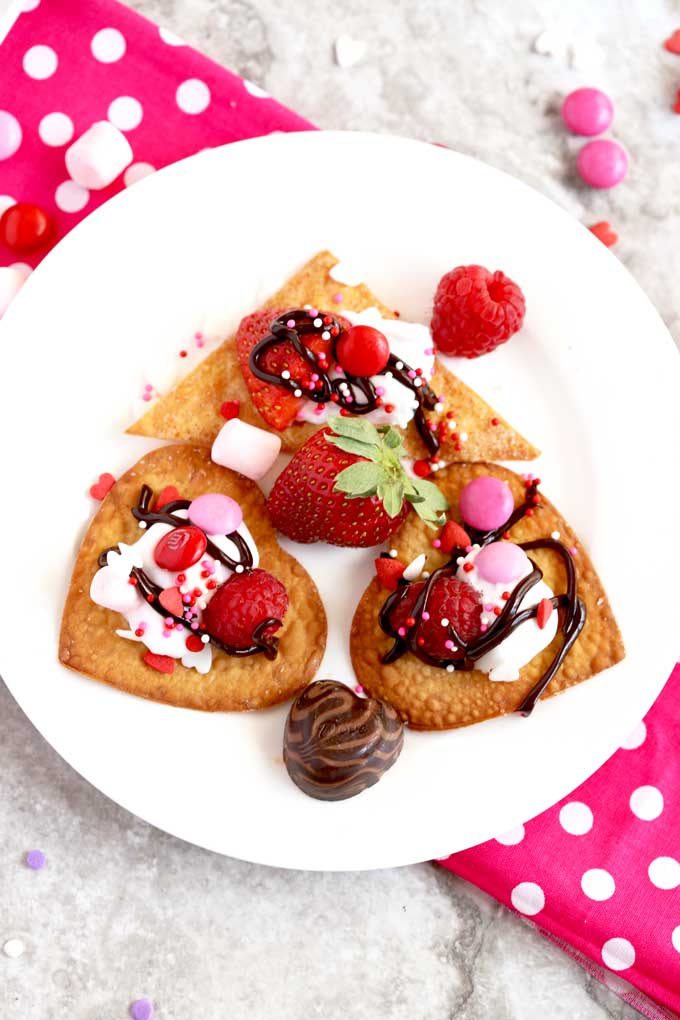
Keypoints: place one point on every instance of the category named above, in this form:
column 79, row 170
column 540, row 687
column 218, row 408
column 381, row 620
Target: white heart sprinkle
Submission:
column 345, row 272
column 349, row 51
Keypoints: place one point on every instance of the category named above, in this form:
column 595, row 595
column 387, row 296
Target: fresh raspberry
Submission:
column 449, row 599
column 241, row 603
column 475, row 311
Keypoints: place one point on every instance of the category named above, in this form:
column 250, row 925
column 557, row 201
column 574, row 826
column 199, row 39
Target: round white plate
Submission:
column 591, row 379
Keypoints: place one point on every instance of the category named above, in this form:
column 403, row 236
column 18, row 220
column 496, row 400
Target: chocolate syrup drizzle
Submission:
column 359, row 397
column 261, row 642
column 511, row 617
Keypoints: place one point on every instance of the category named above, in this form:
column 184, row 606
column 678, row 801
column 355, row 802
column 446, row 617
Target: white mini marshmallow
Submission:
column 98, row 156
column 12, row 279
column 245, row 448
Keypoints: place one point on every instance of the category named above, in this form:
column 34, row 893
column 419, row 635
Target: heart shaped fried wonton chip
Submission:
column 430, row 698
column 89, row 644
column 191, row 411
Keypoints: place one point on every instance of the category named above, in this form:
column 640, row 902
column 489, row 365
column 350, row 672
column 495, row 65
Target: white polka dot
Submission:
column 576, row 818
column 70, row 197
column 108, row 45
column 29, row 5
column 136, row 171
column 636, row 738
column 40, row 62
column 528, row 898
column 193, row 96
column 10, row 134
column 170, row 38
column 125, row 113
column 6, row 202
column 618, row 954
column 664, row 873
column 646, row 803
column 675, row 938
column 598, row 884
column 512, row 837
column 56, row 129
column 255, row 90
column 13, row 948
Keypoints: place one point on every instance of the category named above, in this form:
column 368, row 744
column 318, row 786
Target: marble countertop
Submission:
column 123, row 910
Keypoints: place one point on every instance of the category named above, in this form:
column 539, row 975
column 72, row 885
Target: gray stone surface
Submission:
column 123, row 910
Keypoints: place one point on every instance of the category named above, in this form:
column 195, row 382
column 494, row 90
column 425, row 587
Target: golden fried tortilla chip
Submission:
column 89, row 644
column 191, row 411
column 429, row 698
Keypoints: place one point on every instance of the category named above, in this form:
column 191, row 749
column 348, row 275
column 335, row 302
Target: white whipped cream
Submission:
column 408, row 341
column 504, row 662
column 110, row 589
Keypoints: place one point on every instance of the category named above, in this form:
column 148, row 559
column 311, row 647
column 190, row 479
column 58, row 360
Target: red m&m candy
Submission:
column 363, row 350
column 25, row 228
column 180, row 548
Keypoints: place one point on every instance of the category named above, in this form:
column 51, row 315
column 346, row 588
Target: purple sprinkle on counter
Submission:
column 142, row 1009
column 36, row 859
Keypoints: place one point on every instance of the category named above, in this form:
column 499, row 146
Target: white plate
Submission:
column 591, row 379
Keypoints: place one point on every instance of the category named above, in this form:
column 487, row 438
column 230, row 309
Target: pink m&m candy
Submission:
column 587, row 112
column 486, row 503
column 215, row 514
column 502, row 563
column 603, row 163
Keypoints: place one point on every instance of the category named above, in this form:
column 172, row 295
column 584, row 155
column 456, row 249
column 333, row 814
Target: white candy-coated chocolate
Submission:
column 245, row 448
column 98, row 156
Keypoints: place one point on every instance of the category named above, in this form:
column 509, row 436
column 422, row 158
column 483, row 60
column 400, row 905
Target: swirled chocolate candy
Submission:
column 337, row 744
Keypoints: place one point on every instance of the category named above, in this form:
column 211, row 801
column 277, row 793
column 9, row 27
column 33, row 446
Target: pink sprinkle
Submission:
column 194, row 625
column 338, row 298
column 429, row 350
column 200, row 342
column 483, row 628
column 198, row 335
column 142, row 626
column 349, row 398
column 315, row 377
column 425, row 615
column 169, row 622
column 524, row 477
column 300, row 415
column 179, row 626
column 291, row 324
column 167, row 633
column 148, row 387
column 380, row 391
column 401, row 632
column 411, row 374
column 450, row 645
column 186, row 598
column 358, row 689
column 436, row 544
column 146, row 396
column 488, row 608
column 573, row 550
column 313, row 312
column 468, row 548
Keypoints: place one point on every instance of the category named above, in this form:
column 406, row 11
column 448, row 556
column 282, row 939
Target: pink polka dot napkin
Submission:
column 600, row 872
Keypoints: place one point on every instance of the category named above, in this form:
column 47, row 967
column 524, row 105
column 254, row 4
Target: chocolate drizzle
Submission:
column 261, row 642
column 353, row 393
column 573, row 610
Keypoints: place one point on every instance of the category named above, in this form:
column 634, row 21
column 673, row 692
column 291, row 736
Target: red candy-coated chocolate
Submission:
column 180, row 548
column 25, row 228
column 363, row 350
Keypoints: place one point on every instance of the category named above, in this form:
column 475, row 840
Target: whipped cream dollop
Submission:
column 111, row 589
column 504, row 662
column 412, row 343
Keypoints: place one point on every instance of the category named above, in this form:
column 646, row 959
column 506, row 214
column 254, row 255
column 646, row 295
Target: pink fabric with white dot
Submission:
column 66, row 64
column 599, row 872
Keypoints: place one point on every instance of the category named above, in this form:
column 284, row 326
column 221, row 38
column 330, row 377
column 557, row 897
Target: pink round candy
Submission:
column 603, row 163
column 587, row 112
column 486, row 503
column 10, row 134
column 215, row 514
column 502, row 563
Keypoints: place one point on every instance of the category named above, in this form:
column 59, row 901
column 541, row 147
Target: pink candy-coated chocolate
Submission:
column 486, row 503
column 98, row 156
column 603, row 163
column 10, row 134
column 215, row 514
column 502, row 563
column 245, row 448
column 587, row 112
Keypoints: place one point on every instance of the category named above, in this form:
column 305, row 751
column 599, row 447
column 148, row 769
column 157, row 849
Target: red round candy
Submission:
column 363, row 350
column 180, row 548
column 25, row 228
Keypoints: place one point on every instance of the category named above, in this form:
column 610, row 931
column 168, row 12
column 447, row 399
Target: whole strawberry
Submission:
column 475, row 311
column 241, row 603
column 347, row 486
column 450, row 599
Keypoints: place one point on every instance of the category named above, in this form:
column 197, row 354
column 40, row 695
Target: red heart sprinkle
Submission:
column 103, row 486
column 167, row 495
column 171, row 600
column 672, row 44
column 603, row 232
column 162, row 663
column 467, row 567
column 230, row 409
column 194, row 643
column 453, row 536
column 676, row 107
column 545, row 608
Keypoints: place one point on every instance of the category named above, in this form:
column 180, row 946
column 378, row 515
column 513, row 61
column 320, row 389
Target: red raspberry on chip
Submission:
column 475, row 311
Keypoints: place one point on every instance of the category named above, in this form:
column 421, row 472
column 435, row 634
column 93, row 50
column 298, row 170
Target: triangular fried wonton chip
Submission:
column 190, row 412
column 89, row 644
column 431, row 698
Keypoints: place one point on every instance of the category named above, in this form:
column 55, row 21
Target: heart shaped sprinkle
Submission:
column 545, row 608
column 171, row 600
column 161, row 663
column 102, row 486
column 603, row 232
column 348, row 51
column 337, row 744
column 167, row 495
column 672, row 44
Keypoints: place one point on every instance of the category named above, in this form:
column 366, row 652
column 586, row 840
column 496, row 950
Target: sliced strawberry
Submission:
column 167, row 495
column 389, row 571
column 277, row 405
column 453, row 536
